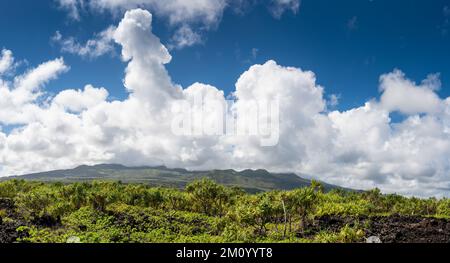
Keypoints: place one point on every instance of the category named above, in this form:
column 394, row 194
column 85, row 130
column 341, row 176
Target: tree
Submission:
column 443, row 208
column 258, row 211
column 103, row 193
column 298, row 204
column 317, row 186
column 210, row 197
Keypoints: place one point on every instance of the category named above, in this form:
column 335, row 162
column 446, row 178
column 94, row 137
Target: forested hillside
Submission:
column 208, row 212
column 252, row 181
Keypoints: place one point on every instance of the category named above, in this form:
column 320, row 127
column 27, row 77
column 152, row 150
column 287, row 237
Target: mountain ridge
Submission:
column 251, row 180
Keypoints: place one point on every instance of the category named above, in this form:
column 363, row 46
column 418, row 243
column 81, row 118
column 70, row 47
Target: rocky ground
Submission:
column 8, row 233
column 390, row 229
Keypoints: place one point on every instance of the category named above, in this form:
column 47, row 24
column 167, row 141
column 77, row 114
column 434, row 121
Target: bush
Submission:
column 335, row 204
column 208, row 197
column 204, row 212
column 443, row 209
column 346, row 235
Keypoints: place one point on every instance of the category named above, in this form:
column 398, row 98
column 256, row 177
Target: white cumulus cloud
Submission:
column 79, row 100
column 6, row 61
column 360, row 147
column 403, row 95
column 72, row 6
column 101, row 44
column 189, row 18
column 185, row 37
column 279, row 7
column 18, row 98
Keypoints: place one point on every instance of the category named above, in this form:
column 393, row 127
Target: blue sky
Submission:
column 347, row 57
column 390, row 129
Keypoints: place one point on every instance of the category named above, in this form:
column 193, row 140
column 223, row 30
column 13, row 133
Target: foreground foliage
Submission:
column 203, row 212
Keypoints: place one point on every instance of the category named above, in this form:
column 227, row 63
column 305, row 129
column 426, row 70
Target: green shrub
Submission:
column 346, row 235
column 204, row 212
column 443, row 208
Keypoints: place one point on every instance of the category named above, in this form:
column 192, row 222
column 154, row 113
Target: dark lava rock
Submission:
column 8, row 233
column 8, row 229
column 391, row 229
column 410, row 229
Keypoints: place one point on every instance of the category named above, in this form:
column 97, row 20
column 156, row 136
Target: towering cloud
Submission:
column 360, row 147
column 146, row 76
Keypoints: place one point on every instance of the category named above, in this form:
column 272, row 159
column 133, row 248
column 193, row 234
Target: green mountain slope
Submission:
column 250, row 180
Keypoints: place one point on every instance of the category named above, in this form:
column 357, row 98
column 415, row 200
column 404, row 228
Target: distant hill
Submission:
column 250, row 180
